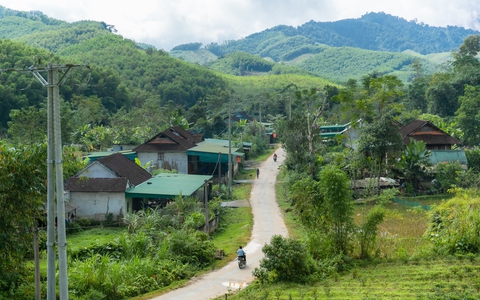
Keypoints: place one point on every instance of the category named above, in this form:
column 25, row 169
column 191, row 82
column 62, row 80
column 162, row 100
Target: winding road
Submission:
column 268, row 222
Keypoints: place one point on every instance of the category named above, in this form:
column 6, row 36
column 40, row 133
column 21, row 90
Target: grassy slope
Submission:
column 398, row 272
column 425, row 279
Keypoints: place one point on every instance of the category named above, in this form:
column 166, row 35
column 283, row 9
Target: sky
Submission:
column 168, row 23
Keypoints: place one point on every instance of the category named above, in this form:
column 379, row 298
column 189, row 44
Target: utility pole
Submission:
column 54, row 179
column 219, row 171
column 230, row 171
column 207, row 217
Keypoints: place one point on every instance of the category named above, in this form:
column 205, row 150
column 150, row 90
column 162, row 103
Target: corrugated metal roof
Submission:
column 125, row 168
column 96, row 155
column 173, row 139
column 213, row 146
column 168, row 185
column 76, row 184
column 448, row 156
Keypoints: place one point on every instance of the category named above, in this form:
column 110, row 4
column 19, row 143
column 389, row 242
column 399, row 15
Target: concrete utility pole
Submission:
column 230, row 171
column 54, row 158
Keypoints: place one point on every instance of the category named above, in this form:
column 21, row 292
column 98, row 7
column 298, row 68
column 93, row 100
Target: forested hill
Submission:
column 373, row 31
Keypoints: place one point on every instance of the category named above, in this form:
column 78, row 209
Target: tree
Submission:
column 27, row 125
column 442, row 97
column 312, row 102
column 468, row 115
column 379, row 139
column 413, row 163
column 336, row 191
column 465, row 58
column 23, row 173
column 294, row 141
column 22, row 191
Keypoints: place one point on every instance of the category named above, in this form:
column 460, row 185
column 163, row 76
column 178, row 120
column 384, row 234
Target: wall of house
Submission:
column 177, row 161
column 96, row 206
column 146, row 157
column 97, row 170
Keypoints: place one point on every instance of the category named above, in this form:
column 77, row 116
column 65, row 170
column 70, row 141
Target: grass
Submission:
column 246, row 174
column 89, row 237
column 402, row 267
column 454, row 278
column 241, row 191
column 293, row 225
column 236, row 228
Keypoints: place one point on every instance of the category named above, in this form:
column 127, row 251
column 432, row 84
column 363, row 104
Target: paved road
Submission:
column 268, row 221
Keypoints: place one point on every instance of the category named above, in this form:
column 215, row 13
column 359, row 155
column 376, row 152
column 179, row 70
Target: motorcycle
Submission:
column 242, row 262
column 275, row 158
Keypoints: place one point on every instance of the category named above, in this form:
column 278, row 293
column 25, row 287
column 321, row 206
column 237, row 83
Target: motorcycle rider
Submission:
column 241, row 253
column 275, row 156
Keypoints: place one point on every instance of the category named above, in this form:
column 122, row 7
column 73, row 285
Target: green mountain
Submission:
column 339, row 50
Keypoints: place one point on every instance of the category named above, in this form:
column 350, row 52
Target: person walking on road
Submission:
column 258, row 172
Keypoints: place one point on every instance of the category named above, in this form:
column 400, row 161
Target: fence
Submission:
column 411, row 203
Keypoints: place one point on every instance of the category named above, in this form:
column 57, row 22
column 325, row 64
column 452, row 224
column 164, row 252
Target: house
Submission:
column 239, row 116
column 176, row 148
column 449, row 156
column 210, row 157
column 431, row 135
column 99, row 189
column 92, row 156
column 165, row 187
column 168, row 149
column 350, row 133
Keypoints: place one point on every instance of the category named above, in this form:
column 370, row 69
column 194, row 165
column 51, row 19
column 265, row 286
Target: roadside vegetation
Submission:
column 417, row 240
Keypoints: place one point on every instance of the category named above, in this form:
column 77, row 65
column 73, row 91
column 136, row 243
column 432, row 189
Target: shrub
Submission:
column 454, row 225
column 191, row 247
column 286, row 259
column 367, row 232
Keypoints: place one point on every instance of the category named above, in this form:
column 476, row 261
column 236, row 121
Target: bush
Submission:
column 191, row 247
column 286, row 259
column 455, row 224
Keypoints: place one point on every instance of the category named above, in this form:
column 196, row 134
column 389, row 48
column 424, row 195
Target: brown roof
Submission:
column 85, row 184
column 124, row 167
column 427, row 132
column 173, row 139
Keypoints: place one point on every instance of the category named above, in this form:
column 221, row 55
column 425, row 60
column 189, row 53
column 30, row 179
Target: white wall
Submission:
column 177, row 161
column 94, row 205
column 146, row 157
column 97, row 170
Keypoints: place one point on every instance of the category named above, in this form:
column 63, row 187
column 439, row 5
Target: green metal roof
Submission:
column 96, row 155
column 448, row 156
column 208, row 150
column 329, row 134
column 338, row 126
column 168, row 185
column 213, row 146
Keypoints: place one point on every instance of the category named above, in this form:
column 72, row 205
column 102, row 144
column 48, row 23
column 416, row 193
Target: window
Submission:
column 161, row 156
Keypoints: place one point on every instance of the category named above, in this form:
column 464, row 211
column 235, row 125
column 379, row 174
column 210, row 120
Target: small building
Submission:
column 449, row 156
column 165, row 187
column 99, row 189
column 239, row 116
column 427, row 132
column 168, row 150
column 92, row 156
column 211, row 156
